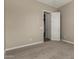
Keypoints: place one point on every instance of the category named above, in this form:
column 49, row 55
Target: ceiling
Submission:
column 55, row 3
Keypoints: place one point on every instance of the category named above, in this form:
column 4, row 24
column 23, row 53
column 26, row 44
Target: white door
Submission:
column 55, row 26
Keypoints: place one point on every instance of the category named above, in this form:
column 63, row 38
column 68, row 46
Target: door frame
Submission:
column 51, row 23
column 43, row 19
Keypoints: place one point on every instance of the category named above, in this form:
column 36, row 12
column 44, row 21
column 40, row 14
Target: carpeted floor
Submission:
column 48, row 50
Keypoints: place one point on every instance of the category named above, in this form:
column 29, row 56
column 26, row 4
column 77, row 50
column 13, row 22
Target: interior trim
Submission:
column 23, row 46
column 68, row 41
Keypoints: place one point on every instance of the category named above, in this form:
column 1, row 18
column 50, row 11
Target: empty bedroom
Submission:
column 39, row 29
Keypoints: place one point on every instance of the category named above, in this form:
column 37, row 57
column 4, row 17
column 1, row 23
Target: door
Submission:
column 47, row 26
column 55, row 26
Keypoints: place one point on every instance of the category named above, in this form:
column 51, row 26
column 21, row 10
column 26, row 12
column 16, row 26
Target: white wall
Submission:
column 67, row 22
column 23, row 19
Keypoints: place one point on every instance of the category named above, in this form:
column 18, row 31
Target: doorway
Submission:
column 47, row 26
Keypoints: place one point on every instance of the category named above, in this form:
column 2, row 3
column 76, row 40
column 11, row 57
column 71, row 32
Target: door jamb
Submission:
column 43, row 20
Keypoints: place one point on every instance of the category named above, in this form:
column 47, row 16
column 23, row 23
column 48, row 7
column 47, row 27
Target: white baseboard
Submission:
column 68, row 41
column 23, row 46
column 55, row 39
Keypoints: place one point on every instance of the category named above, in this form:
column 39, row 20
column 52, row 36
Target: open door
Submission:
column 47, row 26
column 55, row 26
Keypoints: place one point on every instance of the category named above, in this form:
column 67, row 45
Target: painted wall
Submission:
column 67, row 22
column 24, row 22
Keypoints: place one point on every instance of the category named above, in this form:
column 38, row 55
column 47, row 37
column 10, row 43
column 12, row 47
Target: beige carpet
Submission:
column 48, row 50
